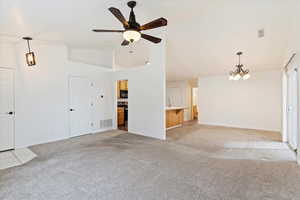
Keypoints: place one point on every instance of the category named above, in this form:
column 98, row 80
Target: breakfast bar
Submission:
column 174, row 117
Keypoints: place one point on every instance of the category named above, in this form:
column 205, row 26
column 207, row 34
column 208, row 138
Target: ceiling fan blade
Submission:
column 154, row 24
column 151, row 38
column 103, row 30
column 117, row 13
column 125, row 43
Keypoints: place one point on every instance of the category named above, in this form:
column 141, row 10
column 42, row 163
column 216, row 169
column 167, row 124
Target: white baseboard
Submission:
column 177, row 126
column 235, row 126
column 103, row 130
column 136, row 133
column 41, row 142
column 59, row 139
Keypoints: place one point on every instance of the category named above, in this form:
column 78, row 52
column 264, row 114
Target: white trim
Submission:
column 43, row 142
column 139, row 134
column 102, row 130
column 233, row 126
column 284, row 107
column 7, row 68
column 63, row 138
column 289, row 61
column 177, row 126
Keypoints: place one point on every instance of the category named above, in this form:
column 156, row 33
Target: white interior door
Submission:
column 292, row 108
column 80, row 106
column 6, row 109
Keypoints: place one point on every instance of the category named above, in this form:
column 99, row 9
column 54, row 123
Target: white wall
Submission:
column 294, row 30
column 146, row 95
column 96, row 57
column 132, row 55
column 255, row 103
column 195, row 96
column 42, row 91
column 7, row 55
column 179, row 93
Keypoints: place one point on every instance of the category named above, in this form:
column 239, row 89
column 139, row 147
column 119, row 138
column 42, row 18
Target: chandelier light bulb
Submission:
column 237, row 77
column 246, row 76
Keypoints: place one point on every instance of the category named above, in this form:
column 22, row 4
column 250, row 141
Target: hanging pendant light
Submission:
column 239, row 73
column 30, row 57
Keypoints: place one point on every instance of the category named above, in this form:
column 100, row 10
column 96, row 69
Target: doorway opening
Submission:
column 194, row 104
column 122, row 104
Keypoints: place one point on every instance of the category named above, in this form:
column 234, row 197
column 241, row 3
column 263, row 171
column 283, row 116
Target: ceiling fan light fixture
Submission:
column 133, row 29
column 132, row 35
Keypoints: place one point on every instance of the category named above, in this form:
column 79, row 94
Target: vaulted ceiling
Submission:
column 202, row 35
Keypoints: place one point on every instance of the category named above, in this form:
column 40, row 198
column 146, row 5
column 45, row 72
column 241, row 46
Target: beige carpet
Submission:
column 196, row 162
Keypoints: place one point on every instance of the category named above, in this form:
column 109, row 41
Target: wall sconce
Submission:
column 30, row 58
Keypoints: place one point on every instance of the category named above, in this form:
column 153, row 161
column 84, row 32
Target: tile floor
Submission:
column 16, row 157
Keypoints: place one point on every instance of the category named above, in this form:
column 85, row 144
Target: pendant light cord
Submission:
column 28, row 46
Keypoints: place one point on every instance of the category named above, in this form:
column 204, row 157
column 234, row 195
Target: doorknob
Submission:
column 72, row 109
column 10, row 113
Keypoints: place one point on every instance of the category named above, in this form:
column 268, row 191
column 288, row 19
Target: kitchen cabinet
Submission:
column 123, row 85
column 174, row 117
column 118, row 89
column 121, row 116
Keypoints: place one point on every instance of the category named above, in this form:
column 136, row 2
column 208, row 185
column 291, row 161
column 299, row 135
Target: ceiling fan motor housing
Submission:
column 132, row 29
column 131, row 4
column 132, row 21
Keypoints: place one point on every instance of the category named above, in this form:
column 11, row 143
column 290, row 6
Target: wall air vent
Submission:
column 107, row 123
column 261, row 33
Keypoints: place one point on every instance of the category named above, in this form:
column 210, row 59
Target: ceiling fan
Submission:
column 132, row 32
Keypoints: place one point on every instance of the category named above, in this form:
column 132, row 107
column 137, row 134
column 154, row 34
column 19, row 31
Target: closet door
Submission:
column 7, row 116
column 292, row 107
column 80, row 106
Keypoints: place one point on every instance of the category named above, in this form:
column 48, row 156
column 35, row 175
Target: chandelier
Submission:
column 239, row 73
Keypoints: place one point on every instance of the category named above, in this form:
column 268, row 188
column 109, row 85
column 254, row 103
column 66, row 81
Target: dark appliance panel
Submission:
column 123, row 94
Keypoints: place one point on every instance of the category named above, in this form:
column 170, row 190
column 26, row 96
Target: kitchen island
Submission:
column 174, row 117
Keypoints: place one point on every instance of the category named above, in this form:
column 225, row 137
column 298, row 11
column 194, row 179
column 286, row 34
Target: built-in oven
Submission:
column 123, row 94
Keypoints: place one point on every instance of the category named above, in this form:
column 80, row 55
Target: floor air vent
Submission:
column 105, row 123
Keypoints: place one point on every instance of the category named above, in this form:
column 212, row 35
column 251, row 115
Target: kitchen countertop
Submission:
column 122, row 100
column 175, row 108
